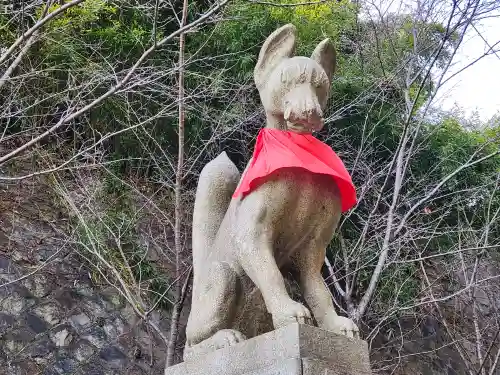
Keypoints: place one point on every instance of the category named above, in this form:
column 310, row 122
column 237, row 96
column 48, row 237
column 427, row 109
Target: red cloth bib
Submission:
column 277, row 149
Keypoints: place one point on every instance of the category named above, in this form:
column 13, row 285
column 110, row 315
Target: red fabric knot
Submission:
column 277, row 149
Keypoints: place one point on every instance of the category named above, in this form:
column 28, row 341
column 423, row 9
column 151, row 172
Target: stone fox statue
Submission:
column 276, row 214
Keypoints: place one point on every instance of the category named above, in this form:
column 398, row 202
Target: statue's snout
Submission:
column 302, row 111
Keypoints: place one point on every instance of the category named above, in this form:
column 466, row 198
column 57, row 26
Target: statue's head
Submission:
column 294, row 89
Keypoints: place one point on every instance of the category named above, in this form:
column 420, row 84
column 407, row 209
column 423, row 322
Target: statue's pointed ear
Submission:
column 324, row 54
column 278, row 46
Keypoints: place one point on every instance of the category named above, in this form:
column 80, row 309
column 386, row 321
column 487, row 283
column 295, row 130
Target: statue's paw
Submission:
column 226, row 337
column 342, row 326
column 221, row 339
column 289, row 312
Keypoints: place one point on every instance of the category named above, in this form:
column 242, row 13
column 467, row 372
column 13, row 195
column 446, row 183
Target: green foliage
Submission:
column 328, row 19
column 239, row 39
column 92, row 32
column 455, row 146
column 7, row 32
column 81, row 16
column 250, row 24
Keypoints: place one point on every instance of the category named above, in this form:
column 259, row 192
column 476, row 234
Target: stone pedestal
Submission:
column 293, row 350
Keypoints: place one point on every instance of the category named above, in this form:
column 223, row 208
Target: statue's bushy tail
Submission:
column 217, row 182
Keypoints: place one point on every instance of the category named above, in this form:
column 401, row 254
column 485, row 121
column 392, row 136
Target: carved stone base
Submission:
column 293, row 350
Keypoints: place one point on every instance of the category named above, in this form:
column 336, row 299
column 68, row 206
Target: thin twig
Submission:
column 174, row 323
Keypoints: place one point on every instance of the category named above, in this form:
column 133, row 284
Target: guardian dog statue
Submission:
column 284, row 209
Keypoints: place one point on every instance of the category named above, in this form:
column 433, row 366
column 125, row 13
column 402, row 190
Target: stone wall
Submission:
column 53, row 318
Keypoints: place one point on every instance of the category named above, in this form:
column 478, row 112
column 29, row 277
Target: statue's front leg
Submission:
column 258, row 262
column 317, row 295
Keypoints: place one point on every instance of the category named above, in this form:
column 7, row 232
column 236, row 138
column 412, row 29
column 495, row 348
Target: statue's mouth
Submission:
column 306, row 122
column 305, row 126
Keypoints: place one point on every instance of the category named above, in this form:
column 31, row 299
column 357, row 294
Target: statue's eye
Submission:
column 319, row 79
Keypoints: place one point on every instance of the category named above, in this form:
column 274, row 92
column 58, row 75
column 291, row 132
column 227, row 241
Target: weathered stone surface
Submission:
column 83, row 350
column 3, row 355
column 61, row 336
column 14, row 304
column 300, row 349
column 92, row 368
column 42, row 348
column 96, row 336
column 112, row 300
column 252, row 317
column 23, row 368
column 5, row 263
column 94, row 308
column 317, row 366
column 36, row 324
column 65, row 364
column 291, row 366
column 39, row 285
column 135, row 371
column 84, row 290
column 79, row 321
column 113, row 328
column 113, row 356
column 16, row 340
column 68, row 298
column 50, row 312
column 6, row 321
